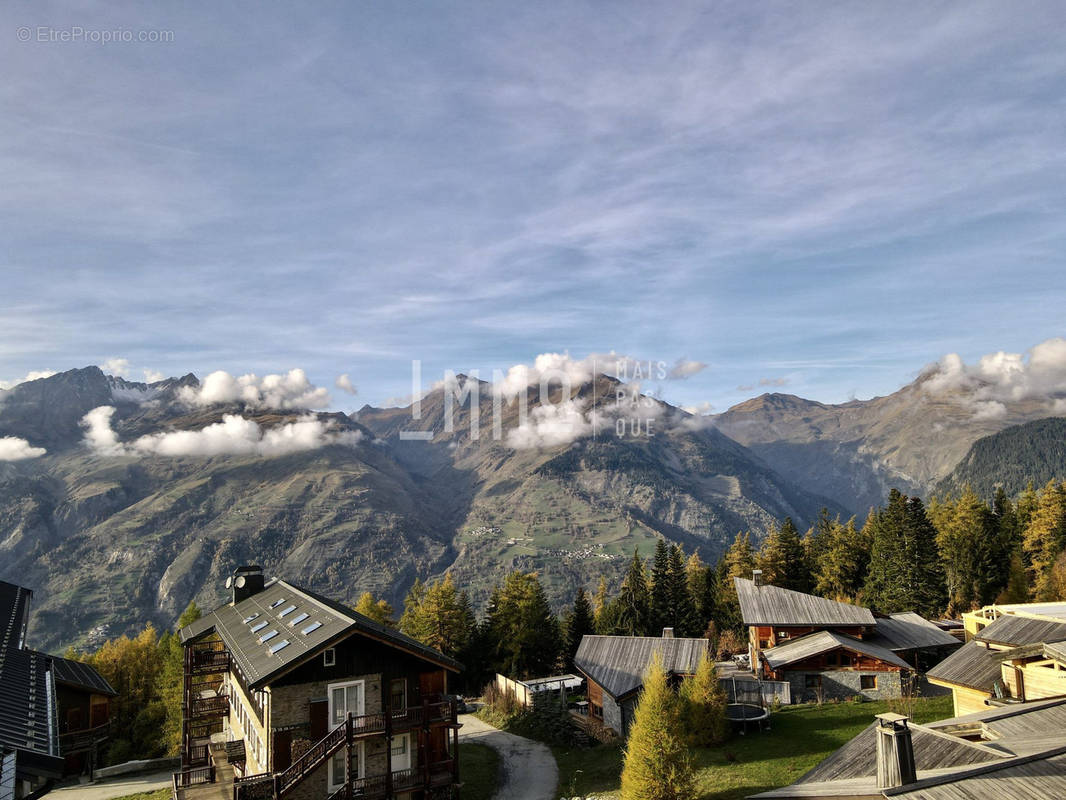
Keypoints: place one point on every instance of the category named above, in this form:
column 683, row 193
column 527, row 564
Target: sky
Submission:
column 811, row 198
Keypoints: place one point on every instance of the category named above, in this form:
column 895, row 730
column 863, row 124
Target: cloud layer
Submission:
column 13, row 448
column 292, row 390
column 234, row 435
column 30, row 376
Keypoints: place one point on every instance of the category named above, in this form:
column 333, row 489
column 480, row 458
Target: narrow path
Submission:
column 529, row 769
column 113, row 787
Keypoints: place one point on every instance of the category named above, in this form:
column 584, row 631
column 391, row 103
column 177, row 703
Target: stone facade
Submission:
column 290, row 705
column 843, row 684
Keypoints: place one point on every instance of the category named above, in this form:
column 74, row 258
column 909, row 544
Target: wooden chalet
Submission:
column 614, row 668
column 1013, row 657
column 1017, row 751
column 824, row 648
column 290, row 695
column 54, row 712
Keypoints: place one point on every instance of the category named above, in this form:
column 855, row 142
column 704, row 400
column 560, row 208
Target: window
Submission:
column 314, row 626
column 259, row 626
column 845, row 659
column 344, row 699
column 336, row 767
column 784, row 635
column 277, row 648
column 329, row 657
column 398, row 694
column 812, row 681
column 277, row 603
column 867, row 682
column 298, row 618
column 400, row 749
column 270, row 634
column 250, row 617
column 287, row 611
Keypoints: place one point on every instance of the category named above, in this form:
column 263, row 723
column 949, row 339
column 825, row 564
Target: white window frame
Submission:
column 407, row 756
column 329, row 657
column 331, row 688
column 337, row 781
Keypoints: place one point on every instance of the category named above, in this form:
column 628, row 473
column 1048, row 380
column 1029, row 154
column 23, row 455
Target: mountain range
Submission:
column 132, row 513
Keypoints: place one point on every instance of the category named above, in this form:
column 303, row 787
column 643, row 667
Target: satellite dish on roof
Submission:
column 239, row 583
column 229, row 582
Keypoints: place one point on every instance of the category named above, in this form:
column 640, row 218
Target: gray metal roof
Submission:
column 79, row 675
column 932, row 750
column 978, row 667
column 910, row 631
column 253, row 628
column 1036, row 776
column 618, row 663
column 1014, row 630
column 823, row 642
column 772, row 605
column 27, row 696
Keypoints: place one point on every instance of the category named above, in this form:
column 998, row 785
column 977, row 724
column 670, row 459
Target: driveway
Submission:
column 114, row 787
column 529, row 770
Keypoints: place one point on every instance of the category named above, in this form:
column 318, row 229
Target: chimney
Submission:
column 668, row 633
column 756, row 576
column 895, row 752
column 245, row 581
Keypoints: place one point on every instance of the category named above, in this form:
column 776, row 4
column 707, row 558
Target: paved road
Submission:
column 529, row 769
column 114, row 787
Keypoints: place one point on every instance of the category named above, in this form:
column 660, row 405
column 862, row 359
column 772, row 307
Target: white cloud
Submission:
column 551, row 425
column 344, row 383
column 685, row 369
column 1059, row 407
column 99, row 436
column 33, row 375
column 700, row 409
column 998, row 378
column 234, row 435
column 289, row 391
column 153, row 376
column 116, row 366
column 14, row 449
column 773, row 381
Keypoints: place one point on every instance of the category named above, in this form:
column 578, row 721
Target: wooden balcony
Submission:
column 83, row 741
column 207, row 658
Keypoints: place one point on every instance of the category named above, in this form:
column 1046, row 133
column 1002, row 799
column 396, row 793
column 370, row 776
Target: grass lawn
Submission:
column 800, row 737
column 158, row 794
column 479, row 769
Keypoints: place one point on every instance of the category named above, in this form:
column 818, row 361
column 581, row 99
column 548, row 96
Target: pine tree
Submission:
column 971, row 551
column 1017, row 590
column 841, row 571
column 657, row 764
column 579, row 623
column 783, row 560
column 435, row 615
column 703, row 706
column 906, row 573
column 702, row 590
column 1045, row 536
column 632, row 608
column 377, row 610
column 682, row 613
column 524, row 631
column 660, row 616
column 738, row 562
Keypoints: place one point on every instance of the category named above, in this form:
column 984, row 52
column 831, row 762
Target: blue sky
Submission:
column 818, row 197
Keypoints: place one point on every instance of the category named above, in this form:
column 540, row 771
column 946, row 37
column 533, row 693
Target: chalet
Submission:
column 1013, row 656
column 290, row 695
column 1014, row 751
column 54, row 712
column 614, row 668
column 825, row 648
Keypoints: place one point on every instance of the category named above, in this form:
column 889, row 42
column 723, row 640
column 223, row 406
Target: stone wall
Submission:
column 290, row 705
column 612, row 714
column 844, row 684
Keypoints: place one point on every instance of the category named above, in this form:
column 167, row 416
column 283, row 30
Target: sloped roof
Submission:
column 823, row 642
column 932, row 750
column 79, row 675
column 618, row 663
column 976, row 666
column 772, row 605
column 1014, row 630
column 1037, row 776
column 910, row 631
column 280, row 607
column 27, row 698
column 1055, row 650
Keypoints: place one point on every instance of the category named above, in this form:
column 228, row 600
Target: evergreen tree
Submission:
column 817, row 542
column 632, row 608
column 841, row 570
column 973, row 557
column 524, row 631
column 1045, row 536
column 1017, row 590
column 703, row 706
column 702, row 588
column 600, row 600
column 783, row 560
column 435, row 615
column 738, row 562
column 905, row 569
column 681, row 612
column 657, row 764
column 660, row 616
column 579, row 623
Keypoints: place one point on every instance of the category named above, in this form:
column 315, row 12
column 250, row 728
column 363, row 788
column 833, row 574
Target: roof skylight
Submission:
column 259, row 626
column 250, row 617
column 277, row 602
column 314, row 626
column 277, row 648
column 288, row 610
column 266, row 637
column 299, row 618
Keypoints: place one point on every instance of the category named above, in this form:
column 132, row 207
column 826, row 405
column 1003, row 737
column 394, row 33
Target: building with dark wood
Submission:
column 54, row 712
column 614, row 668
column 1016, row 751
column 290, row 694
column 824, row 648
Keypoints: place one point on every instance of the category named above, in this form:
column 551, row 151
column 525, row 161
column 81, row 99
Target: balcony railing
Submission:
column 201, row 707
column 193, row 777
column 80, row 741
column 208, row 657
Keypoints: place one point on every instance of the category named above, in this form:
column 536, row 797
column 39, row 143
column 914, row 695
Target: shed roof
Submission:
column 79, row 675
column 618, row 663
column 1014, row 630
column 253, row 629
column 910, row 631
column 1055, row 650
column 772, row 605
column 823, row 642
